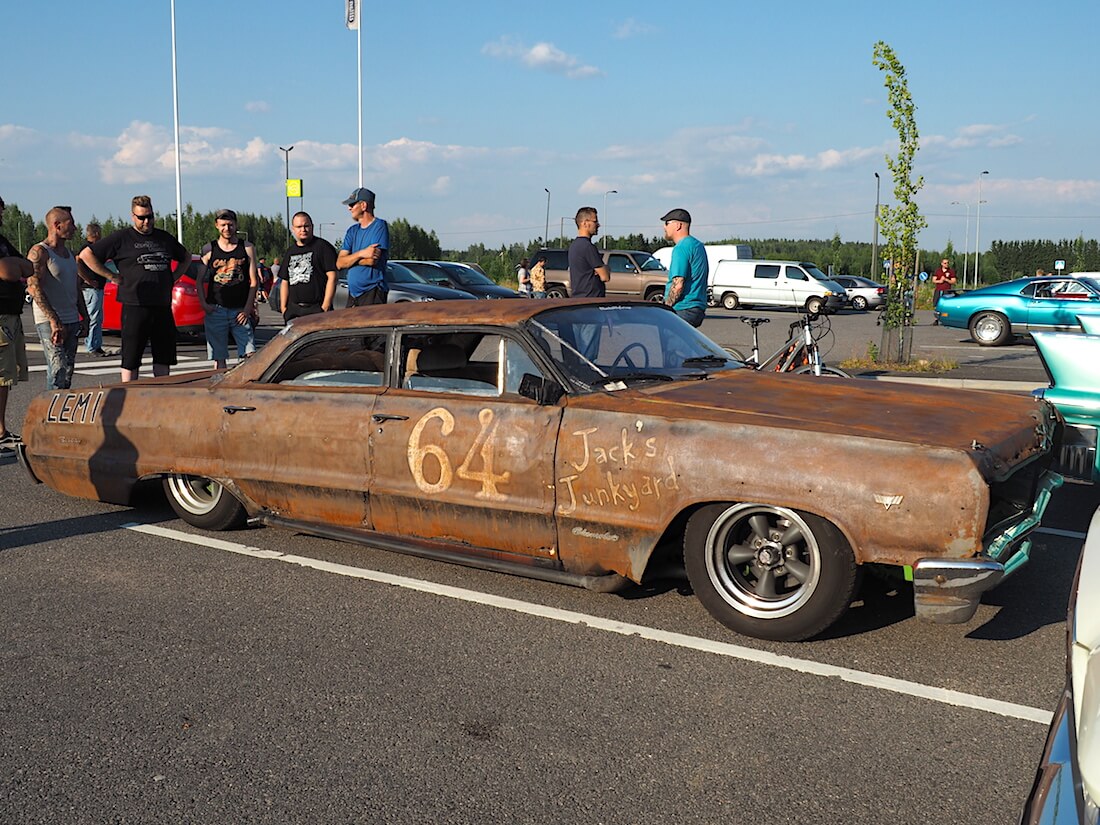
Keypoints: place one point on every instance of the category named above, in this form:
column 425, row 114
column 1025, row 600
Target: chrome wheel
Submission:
column 203, row 502
column 990, row 329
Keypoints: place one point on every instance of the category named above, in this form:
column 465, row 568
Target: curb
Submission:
column 959, row 383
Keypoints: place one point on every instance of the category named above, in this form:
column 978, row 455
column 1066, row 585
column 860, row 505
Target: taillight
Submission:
column 881, row 290
column 187, row 288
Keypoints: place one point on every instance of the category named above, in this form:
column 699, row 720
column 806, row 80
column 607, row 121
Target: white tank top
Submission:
column 60, row 286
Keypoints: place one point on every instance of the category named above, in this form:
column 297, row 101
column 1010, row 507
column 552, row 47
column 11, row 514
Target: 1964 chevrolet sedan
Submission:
column 576, row 442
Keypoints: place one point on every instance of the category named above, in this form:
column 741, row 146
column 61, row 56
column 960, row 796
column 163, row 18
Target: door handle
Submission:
column 378, row 418
column 232, row 408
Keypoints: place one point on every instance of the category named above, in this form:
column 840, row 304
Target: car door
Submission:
column 458, row 454
column 297, row 442
column 625, row 278
column 1055, row 304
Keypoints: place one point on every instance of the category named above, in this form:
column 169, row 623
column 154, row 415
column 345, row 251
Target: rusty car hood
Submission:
column 1005, row 428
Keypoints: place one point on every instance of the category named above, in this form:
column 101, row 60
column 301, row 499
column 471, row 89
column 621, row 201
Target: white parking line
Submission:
column 871, row 680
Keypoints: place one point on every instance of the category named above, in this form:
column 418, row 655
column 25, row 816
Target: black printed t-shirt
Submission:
column 144, row 265
column 304, row 269
column 229, row 276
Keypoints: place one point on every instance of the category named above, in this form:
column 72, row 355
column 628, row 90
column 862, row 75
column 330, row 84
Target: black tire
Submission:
column 769, row 572
column 730, row 300
column 832, row 372
column 556, row 291
column 860, row 303
column 814, row 305
column 204, row 503
column 657, row 296
column 990, row 329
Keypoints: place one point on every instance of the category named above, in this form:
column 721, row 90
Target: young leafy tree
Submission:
column 900, row 223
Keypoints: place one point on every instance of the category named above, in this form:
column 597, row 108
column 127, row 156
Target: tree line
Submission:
column 1003, row 261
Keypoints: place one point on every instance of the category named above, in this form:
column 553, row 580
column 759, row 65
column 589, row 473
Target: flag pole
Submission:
column 359, row 74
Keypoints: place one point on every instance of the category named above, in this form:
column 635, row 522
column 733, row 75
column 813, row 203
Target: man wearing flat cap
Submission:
column 365, row 250
column 144, row 255
column 686, row 291
column 228, row 291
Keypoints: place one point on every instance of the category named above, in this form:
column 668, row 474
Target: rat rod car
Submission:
column 568, row 441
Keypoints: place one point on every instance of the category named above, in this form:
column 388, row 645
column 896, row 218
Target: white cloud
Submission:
column 973, row 135
column 632, row 28
column 145, row 151
column 542, row 56
column 12, row 134
column 442, row 185
column 826, row 160
column 257, row 106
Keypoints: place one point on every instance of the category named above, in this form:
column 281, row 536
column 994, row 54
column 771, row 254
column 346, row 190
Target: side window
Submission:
column 458, row 363
column 557, row 259
column 795, row 274
column 337, row 361
column 620, row 263
column 767, row 271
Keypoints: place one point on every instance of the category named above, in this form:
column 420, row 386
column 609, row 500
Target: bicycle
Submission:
column 801, row 354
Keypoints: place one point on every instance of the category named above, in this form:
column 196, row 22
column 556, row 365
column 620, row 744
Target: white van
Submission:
column 735, row 284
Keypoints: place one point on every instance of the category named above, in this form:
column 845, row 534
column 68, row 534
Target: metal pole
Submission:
column 561, row 228
column 605, row 194
column 546, row 233
column 359, row 73
column 977, row 230
column 176, row 117
column 286, row 157
column 874, row 246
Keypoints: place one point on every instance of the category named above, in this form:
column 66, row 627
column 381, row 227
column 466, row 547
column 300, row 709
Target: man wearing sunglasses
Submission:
column 144, row 256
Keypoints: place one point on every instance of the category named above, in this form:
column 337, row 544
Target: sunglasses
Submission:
column 148, row 217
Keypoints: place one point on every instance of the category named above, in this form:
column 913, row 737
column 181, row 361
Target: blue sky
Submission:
column 763, row 120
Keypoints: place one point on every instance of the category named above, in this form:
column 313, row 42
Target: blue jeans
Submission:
column 60, row 359
column 94, row 299
column 693, row 315
column 220, row 322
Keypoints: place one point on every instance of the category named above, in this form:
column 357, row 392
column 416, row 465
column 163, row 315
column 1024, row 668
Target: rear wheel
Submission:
column 990, row 329
column 768, row 571
column 730, row 301
column 735, row 353
column 859, row 302
column 204, row 503
column 657, row 296
column 556, row 291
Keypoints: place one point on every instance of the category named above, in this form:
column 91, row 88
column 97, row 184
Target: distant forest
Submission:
column 1004, row 260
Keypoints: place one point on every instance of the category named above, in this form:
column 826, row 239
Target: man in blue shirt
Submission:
column 365, row 250
column 686, row 292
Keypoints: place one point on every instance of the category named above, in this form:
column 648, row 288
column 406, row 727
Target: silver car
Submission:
column 863, row 293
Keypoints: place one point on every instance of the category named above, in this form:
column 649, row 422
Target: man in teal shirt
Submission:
column 686, row 291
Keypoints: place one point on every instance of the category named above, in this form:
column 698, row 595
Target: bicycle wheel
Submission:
column 735, row 353
column 831, row 372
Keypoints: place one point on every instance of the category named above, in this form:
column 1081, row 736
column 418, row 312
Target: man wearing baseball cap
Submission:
column 365, row 251
column 686, row 291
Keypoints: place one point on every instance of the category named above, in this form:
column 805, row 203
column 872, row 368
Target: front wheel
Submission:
column 204, row 503
column 990, row 329
column 656, row 296
column 814, row 305
column 767, row 571
column 832, row 372
column 735, row 354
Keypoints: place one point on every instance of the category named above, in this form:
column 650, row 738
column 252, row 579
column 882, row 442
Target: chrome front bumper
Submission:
column 947, row 591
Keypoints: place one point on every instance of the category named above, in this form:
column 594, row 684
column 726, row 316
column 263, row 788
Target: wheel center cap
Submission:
column 770, row 555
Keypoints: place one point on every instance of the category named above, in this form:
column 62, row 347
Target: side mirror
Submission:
column 541, row 390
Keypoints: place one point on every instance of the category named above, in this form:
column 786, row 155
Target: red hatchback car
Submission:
column 186, row 309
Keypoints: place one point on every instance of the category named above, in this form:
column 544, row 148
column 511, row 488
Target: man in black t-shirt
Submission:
column 308, row 282
column 588, row 274
column 14, row 270
column 144, row 256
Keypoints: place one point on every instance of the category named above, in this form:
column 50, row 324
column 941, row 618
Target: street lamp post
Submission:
column 605, row 194
column 546, row 232
column 321, row 227
column 966, row 244
column 977, row 230
column 286, row 158
column 874, row 245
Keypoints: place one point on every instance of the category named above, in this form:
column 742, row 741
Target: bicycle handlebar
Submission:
column 752, row 322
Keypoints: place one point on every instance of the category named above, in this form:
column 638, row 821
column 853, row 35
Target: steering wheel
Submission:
column 628, row 361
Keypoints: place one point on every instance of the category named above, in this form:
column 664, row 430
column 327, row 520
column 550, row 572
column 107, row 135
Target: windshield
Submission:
column 1091, row 282
column 609, row 346
column 398, row 274
column 649, row 263
column 815, row 273
column 466, row 276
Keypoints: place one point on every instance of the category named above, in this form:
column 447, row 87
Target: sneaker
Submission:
column 99, row 353
column 8, row 441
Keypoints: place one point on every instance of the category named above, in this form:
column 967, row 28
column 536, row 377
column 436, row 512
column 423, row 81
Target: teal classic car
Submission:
column 994, row 314
column 1072, row 363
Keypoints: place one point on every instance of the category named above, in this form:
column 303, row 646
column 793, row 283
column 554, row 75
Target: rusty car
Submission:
column 592, row 443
